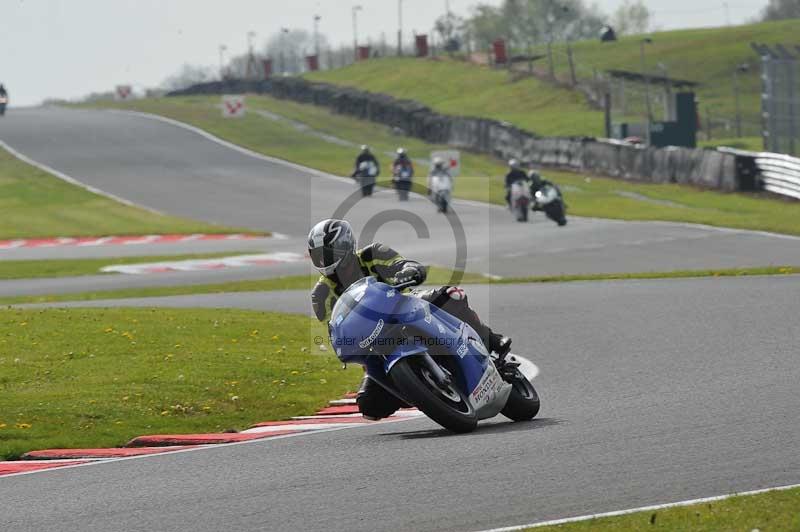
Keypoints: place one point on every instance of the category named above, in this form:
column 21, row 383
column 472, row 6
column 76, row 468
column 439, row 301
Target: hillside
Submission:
column 707, row 56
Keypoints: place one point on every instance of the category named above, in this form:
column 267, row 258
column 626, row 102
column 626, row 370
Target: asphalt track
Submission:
column 168, row 168
column 652, row 392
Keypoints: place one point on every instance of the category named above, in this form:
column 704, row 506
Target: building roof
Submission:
column 637, row 77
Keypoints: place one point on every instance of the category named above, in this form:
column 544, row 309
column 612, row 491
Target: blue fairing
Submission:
column 375, row 325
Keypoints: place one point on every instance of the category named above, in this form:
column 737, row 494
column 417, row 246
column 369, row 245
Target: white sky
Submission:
column 68, row 48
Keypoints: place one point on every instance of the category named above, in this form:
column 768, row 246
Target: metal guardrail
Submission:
column 779, row 173
column 775, row 172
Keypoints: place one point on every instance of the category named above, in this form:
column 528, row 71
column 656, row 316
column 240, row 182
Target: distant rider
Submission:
column 402, row 172
column 331, row 245
column 439, row 170
column 515, row 173
column 537, row 182
column 3, row 92
column 366, row 156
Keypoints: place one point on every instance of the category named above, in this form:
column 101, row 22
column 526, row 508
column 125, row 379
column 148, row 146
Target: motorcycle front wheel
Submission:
column 446, row 405
column 523, row 402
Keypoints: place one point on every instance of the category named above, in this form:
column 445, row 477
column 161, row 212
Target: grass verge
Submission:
column 36, row 204
column 770, row 511
column 436, row 276
column 35, row 269
column 586, row 195
column 99, row 377
column 708, row 56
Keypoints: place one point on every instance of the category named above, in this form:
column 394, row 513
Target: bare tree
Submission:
column 187, row 76
column 781, row 9
column 631, row 18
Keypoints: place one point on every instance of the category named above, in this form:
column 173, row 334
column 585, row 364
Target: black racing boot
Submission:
column 499, row 344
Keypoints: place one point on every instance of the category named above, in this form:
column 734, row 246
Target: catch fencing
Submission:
column 717, row 169
column 780, row 103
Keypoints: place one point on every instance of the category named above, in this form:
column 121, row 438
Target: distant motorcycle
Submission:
column 520, row 200
column 402, row 177
column 548, row 199
column 3, row 104
column 365, row 176
column 428, row 358
column 441, row 191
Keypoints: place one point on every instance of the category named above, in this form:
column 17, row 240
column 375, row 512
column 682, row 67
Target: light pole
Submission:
column 317, row 18
column 251, row 58
column 399, row 27
column 646, row 40
column 284, row 31
column 222, row 49
column 355, row 10
column 742, row 68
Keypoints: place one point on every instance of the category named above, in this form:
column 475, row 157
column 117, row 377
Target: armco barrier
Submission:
column 779, row 173
column 702, row 167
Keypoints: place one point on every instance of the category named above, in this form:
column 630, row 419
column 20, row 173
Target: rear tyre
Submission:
column 523, row 402
column 448, row 407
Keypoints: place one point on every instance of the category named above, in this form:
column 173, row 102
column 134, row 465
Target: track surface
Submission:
column 652, row 391
column 170, row 169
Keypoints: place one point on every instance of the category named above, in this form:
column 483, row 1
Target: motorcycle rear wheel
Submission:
column 409, row 375
column 523, row 402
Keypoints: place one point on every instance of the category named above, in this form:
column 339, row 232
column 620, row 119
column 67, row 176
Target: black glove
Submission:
column 410, row 273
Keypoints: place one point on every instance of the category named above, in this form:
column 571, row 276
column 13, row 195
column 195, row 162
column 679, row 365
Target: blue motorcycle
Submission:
column 428, row 358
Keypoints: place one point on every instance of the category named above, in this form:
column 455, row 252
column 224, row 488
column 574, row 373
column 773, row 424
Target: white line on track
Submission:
column 640, row 509
column 71, row 180
column 95, row 462
column 319, row 173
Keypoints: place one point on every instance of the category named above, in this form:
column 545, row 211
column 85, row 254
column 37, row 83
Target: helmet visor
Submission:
column 326, row 259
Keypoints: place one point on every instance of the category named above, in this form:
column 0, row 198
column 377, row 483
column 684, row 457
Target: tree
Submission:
column 485, row 25
column 288, row 49
column 631, row 18
column 781, row 9
column 187, row 76
column 450, row 28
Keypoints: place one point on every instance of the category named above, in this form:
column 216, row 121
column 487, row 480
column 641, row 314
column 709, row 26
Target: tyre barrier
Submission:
column 709, row 168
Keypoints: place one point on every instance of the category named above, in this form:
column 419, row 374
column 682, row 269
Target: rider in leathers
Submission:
column 331, row 245
column 515, row 173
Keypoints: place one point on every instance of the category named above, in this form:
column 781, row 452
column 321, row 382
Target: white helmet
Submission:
column 513, row 163
column 401, row 151
column 438, row 162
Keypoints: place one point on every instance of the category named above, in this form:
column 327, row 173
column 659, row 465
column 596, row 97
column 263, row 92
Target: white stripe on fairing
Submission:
column 640, row 509
column 308, row 426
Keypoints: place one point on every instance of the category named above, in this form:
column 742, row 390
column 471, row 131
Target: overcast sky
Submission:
column 61, row 48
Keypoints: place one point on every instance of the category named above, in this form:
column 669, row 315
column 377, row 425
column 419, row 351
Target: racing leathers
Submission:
column 514, row 175
column 388, row 266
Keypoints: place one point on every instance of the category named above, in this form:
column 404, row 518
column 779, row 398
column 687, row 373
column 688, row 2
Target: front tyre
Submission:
column 523, row 402
column 448, row 406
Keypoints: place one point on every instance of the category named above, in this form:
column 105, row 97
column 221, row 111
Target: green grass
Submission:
column 99, row 377
column 436, row 276
column 35, row 204
column 585, row 195
column 743, row 143
column 773, row 511
column 708, row 56
column 34, row 269
column 458, row 88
